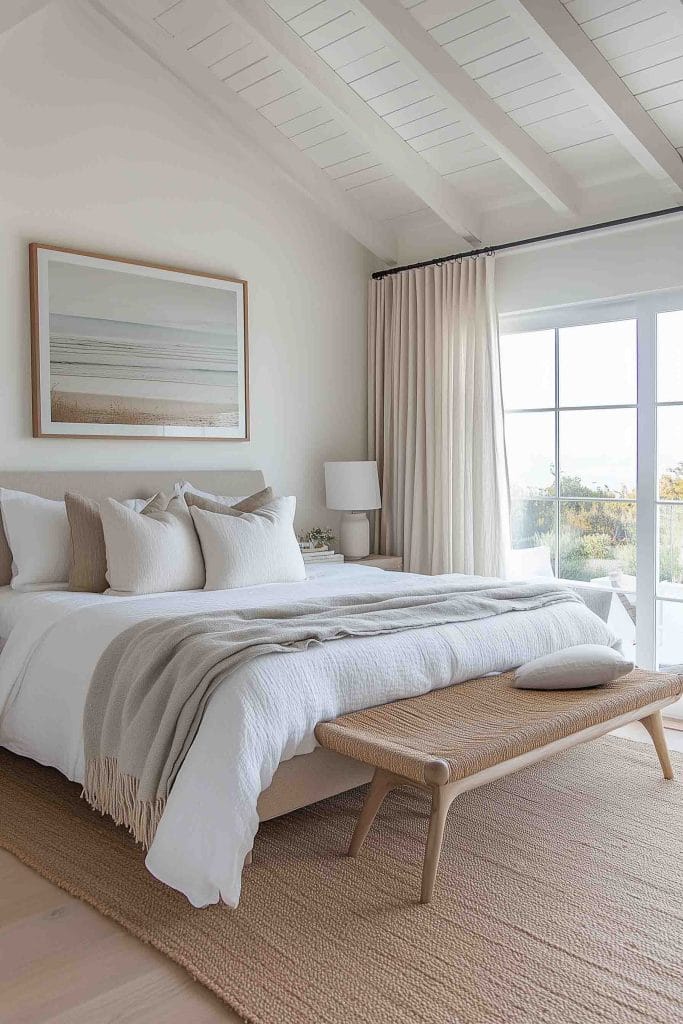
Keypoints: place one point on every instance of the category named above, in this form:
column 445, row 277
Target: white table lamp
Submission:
column 353, row 488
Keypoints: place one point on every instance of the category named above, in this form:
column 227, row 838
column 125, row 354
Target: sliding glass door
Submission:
column 669, row 596
column 594, row 431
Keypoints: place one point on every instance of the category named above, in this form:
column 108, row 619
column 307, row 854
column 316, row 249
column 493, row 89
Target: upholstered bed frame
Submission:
column 298, row 782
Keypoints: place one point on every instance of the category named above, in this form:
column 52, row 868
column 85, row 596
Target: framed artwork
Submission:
column 127, row 349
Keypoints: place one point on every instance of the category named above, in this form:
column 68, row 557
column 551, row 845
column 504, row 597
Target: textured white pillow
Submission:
column 151, row 552
column 573, row 668
column 256, row 547
column 38, row 536
column 183, row 486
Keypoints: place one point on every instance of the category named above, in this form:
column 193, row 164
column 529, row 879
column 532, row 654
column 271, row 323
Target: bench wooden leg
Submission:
column 382, row 783
column 437, row 822
column 653, row 724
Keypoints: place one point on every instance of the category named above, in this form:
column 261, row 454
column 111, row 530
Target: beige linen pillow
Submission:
column 151, row 552
column 88, row 553
column 5, row 558
column 250, row 504
column 573, row 668
column 251, row 548
column 88, row 569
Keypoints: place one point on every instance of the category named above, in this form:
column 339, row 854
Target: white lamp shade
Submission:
column 352, row 486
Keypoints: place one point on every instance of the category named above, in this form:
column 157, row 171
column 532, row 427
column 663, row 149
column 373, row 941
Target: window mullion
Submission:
column 646, row 531
column 557, row 452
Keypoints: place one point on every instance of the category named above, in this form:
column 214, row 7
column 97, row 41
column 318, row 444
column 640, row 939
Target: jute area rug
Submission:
column 559, row 899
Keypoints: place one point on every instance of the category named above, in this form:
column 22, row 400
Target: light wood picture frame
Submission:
column 121, row 348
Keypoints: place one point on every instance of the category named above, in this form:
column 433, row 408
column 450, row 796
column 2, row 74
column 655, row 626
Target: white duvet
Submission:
column 264, row 714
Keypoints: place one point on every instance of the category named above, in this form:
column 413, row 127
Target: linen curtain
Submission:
column 435, row 414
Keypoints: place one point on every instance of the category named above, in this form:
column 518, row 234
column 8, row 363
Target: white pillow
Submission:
column 38, row 536
column 151, row 552
column 252, row 548
column 136, row 504
column 182, row 486
column 573, row 668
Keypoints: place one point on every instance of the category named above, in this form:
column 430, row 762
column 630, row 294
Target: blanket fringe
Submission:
column 111, row 792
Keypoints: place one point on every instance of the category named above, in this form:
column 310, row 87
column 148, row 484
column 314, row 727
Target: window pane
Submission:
column 598, row 453
column 528, row 368
column 671, row 550
column 670, row 357
column 533, row 539
column 670, row 452
column 670, row 642
column 530, row 443
column 598, row 542
column 616, row 606
column 598, row 364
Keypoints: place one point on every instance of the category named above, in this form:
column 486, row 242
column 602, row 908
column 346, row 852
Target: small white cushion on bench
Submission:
column 573, row 668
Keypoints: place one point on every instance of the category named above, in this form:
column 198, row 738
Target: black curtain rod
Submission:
column 490, row 249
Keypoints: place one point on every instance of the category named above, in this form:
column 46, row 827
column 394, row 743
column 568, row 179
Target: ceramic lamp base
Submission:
column 354, row 536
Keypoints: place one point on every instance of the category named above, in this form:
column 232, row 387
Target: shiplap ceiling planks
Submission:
column 469, row 104
column 173, row 55
column 348, row 96
column 675, row 7
column 351, row 110
column 12, row 12
column 583, row 53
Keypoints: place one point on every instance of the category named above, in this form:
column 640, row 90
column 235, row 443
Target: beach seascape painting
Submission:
column 124, row 349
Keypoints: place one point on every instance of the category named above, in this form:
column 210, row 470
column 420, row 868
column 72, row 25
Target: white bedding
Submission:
column 16, row 604
column 264, row 715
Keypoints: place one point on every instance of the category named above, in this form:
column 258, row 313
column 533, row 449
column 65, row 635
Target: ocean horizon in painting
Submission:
column 104, row 371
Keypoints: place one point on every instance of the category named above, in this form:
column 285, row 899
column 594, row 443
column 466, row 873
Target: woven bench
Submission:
column 452, row 740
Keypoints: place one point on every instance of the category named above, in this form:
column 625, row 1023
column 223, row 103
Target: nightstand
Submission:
column 392, row 563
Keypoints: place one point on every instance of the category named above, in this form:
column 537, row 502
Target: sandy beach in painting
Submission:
column 79, row 407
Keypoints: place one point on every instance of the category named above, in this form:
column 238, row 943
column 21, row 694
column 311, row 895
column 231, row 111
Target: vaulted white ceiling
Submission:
column 442, row 123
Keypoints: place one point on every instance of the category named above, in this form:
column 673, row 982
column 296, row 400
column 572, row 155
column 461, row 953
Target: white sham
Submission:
column 253, row 548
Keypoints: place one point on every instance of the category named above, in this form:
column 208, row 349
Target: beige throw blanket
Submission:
column 151, row 686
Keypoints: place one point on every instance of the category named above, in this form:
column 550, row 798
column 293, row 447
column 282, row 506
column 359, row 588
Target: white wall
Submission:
column 607, row 265
column 102, row 150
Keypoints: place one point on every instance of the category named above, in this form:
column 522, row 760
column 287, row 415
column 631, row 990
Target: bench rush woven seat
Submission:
column 452, row 740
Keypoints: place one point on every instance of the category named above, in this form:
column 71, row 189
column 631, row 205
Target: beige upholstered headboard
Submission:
column 120, row 485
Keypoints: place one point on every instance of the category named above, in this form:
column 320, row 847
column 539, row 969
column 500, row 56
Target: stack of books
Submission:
column 320, row 557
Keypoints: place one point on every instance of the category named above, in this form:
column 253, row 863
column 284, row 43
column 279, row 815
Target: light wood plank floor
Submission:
column 63, row 963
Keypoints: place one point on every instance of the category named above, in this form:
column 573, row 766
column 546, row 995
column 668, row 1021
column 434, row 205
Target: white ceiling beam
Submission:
column 14, row 11
column 457, row 210
column 247, row 127
column 580, row 61
column 468, row 102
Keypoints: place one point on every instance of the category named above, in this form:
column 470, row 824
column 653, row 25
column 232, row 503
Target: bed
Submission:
column 255, row 755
